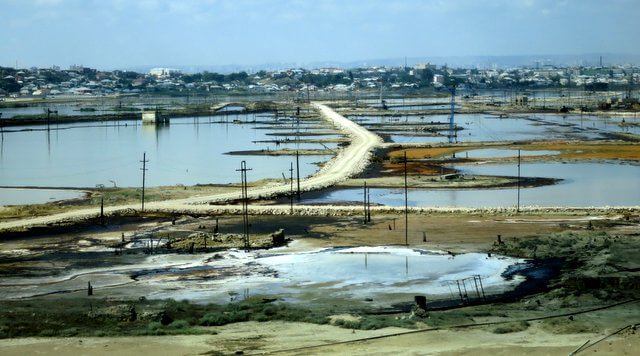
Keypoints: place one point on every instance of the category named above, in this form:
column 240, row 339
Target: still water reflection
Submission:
column 188, row 151
column 583, row 185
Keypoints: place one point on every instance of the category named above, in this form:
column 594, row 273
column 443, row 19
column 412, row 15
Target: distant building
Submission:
column 163, row 72
column 76, row 68
column 438, row 79
column 422, row 66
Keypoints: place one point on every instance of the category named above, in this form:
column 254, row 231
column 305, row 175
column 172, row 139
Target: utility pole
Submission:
column 298, row 172
column 518, row 203
column 49, row 112
column 245, row 202
column 102, row 210
column 406, row 203
column 144, row 171
column 369, row 204
column 452, row 132
column 364, row 201
column 381, row 101
column 291, row 188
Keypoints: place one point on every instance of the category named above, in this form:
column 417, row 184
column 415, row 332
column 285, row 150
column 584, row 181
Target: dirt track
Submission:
column 348, row 162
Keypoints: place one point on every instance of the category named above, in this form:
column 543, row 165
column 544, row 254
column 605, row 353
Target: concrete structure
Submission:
column 149, row 117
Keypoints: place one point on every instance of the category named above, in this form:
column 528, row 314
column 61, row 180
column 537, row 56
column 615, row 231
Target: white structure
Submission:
column 163, row 72
column 149, row 117
column 438, row 79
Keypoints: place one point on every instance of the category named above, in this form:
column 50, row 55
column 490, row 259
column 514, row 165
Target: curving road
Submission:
column 349, row 161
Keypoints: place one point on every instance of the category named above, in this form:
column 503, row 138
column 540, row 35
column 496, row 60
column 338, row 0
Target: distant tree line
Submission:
column 9, row 85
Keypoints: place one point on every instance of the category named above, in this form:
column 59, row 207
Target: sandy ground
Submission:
column 259, row 338
column 348, row 162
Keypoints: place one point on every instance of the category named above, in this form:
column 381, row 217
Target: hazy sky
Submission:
column 126, row 33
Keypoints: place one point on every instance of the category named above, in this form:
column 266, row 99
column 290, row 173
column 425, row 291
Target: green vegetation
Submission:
column 601, row 259
column 373, row 322
column 205, row 76
column 514, row 327
column 569, row 325
column 104, row 317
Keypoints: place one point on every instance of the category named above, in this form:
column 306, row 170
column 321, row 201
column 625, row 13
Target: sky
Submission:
column 112, row 34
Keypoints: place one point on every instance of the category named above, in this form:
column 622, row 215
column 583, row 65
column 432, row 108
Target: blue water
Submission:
column 583, row 185
column 188, row 151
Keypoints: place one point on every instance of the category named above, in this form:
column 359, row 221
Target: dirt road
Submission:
column 276, row 336
column 348, row 162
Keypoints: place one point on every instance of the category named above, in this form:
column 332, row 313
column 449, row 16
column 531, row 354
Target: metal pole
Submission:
column 451, row 123
column 298, row 172
column 102, row 210
column 144, row 171
column 518, row 203
column 245, row 202
column 364, row 201
column 481, row 287
column 476, row 284
column 291, row 188
column 369, row 204
column 406, row 203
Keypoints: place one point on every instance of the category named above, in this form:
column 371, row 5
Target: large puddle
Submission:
column 383, row 274
column 188, row 151
column 583, row 185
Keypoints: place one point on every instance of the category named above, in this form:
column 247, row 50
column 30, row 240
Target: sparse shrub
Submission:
column 513, row 327
column 179, row 324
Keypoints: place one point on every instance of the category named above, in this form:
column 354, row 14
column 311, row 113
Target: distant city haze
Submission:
column 251, row 35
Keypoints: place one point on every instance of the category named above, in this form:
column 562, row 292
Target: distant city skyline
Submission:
column 119, row 34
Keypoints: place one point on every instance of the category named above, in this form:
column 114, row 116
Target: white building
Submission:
column 438, row 79
column 163, row 72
